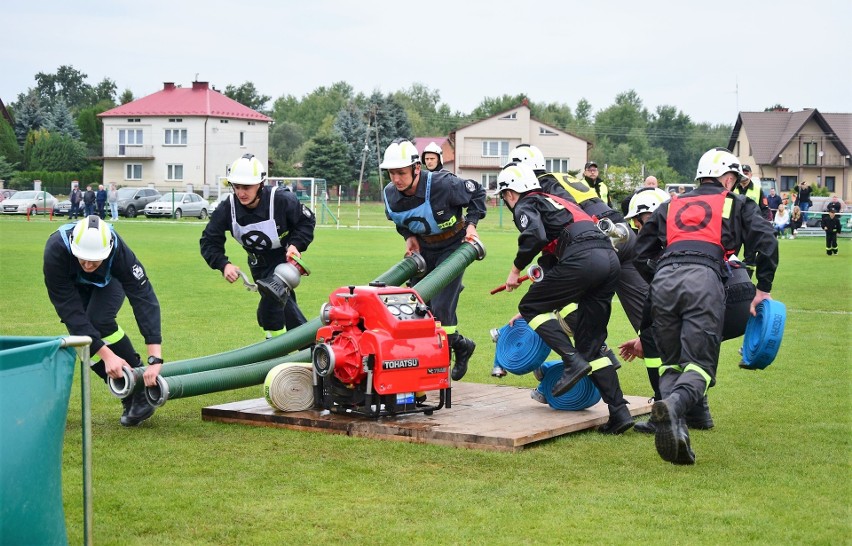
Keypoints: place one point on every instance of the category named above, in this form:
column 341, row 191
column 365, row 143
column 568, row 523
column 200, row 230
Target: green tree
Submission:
column 55, row 152
column 7, row 170
column 29, row 115
column 126, row 96
column 92, row 127
column 555, row 114
column 315, row 110
column 247, row 95
column 284, row 138
column 618, row 121
column 67, row 83
column 326, row 158
column 494, row 105
column 351, row 126
column 9, row 147
column 427, row 115
column 104, row 92
column 669, row 129
column 59, row 120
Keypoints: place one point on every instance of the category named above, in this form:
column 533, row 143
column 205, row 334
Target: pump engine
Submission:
column 380, row 350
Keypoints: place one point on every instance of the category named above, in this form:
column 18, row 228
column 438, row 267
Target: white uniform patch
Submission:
column 524, row 221
column 471, row 187
column 138, row 272
column 306, row 211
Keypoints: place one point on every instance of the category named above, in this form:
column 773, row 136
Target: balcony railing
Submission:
column 474, row 161
column 131, row 152
column 827, row 160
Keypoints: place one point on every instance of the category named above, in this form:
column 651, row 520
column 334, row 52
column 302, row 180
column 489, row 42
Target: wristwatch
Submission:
column 154, row 360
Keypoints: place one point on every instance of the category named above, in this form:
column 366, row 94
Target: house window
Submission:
column 810, row 154
column 242, row 139
column 495, row 148
column 175, row 137
column 133, row 120
column 175, row 120
column 509, row 117
column 252, row 123
column 223, row 121
column 788, row 182
column 489, row 181
column 556, row 165
column 829, row 183
column 133, row 171
column 128, row 137
column 544, row 131
column 174, row 172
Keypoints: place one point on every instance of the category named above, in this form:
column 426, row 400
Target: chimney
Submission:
column 199, row 85
column 168, row 86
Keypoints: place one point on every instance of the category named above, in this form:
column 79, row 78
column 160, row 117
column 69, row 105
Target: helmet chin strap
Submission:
column 413, row 178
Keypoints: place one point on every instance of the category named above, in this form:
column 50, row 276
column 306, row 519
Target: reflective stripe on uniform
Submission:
column 697, row 369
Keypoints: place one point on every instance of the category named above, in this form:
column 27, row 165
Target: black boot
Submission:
column 645, row 427
column 576, row 368
column 463, row 349
column 140, row 409
column 619, row 422
column 698, row 416
column 127, row 403
column 671, row 435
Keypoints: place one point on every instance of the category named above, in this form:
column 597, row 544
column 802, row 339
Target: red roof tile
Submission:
column 199, row 100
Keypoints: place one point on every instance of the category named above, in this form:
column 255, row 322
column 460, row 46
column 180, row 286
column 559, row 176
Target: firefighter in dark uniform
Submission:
column 682, row 250
column 584, row 271
column 428, row 209
column 271, row 225
column 88, row 271
column 632, row 290
column 830, row 223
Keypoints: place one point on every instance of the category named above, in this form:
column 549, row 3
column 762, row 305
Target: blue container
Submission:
column 36, row 374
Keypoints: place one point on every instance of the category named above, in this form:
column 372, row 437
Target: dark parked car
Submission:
column 132, row 201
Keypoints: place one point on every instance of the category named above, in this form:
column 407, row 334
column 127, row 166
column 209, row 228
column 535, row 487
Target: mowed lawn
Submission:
column 775, row 470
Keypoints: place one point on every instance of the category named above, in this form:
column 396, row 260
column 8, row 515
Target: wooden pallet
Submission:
column 493, row 417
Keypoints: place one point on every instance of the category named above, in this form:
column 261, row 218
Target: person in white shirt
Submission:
column 781, row 221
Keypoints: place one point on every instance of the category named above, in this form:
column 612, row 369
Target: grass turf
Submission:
column 776, row 469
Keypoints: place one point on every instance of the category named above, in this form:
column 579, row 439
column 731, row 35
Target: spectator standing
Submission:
column 112, row 199
column 834, row 205
column 101, row 198
column 88, row 271
column 591, row 175
column 781, row 221
column 803, row 198
column 89, row 199
column 650, row 182
column 434, row 212
column 830, row 223
column 681, row 250
column 76, row 198
column 773, row 200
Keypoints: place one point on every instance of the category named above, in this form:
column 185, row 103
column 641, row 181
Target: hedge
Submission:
column 57, row 183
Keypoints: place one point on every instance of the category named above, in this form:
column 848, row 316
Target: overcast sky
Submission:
column 708, row 59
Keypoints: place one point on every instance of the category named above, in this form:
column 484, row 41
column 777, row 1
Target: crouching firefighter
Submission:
column 427, row 209
column 272, row 226
column 88, row 270
column 584, row 270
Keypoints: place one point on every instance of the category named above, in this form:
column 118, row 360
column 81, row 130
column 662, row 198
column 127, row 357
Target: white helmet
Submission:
column 529, row 154
column 646, row 200
column 433, row 148
column 716, row 162
column 91, row 239
column 247, row 170
column 400, row 153
column 517, row 177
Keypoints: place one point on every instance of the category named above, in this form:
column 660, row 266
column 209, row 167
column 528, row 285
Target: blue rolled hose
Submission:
column 581, row 396
column 519, row 349
column 763, row 335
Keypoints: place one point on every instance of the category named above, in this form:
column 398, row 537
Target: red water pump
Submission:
column 379, row 351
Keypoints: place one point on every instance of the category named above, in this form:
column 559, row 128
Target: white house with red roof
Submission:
column 180, row 138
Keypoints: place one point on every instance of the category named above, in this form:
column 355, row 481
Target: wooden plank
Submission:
column 492, row 417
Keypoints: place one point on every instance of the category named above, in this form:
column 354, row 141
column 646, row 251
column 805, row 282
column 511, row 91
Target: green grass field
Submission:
column 775, row 470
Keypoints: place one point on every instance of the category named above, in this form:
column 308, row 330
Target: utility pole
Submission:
column 361, row 176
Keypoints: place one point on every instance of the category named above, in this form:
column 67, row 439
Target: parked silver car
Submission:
column 185, row 204
column 132, row 201
column 31, row 201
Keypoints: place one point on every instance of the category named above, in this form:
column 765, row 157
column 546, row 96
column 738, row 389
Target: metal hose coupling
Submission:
column 477, row 244
column 127, row 383
column 158, row 394
column 619, row 234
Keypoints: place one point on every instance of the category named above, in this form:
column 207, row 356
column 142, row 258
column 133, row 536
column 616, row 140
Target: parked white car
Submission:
column 33, row 201
column 185, row 204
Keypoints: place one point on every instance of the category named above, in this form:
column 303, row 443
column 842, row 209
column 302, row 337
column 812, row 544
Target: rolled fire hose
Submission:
column 520, row 350
column 290, row 386
column 763, row 335
column 581, row 396
column 215, row 380
column 276, row 347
